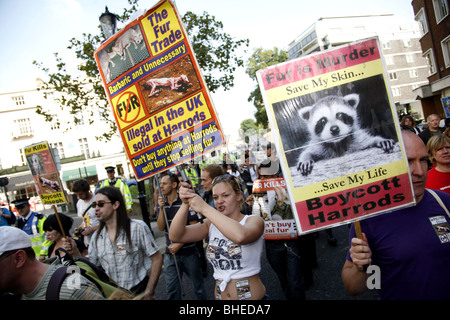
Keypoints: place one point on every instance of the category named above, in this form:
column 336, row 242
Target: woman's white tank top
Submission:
column 232, row 261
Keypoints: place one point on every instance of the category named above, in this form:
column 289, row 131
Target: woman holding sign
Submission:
column 235, row 240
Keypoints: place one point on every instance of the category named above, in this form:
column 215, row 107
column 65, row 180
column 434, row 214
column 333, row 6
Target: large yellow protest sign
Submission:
column 338, row 137
column 157, row 93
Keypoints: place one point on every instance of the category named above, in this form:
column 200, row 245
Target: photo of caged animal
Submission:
column 123, row 53
column 334, row 130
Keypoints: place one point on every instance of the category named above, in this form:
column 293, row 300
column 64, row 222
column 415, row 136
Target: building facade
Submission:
column 434, row 21
column 399, row 38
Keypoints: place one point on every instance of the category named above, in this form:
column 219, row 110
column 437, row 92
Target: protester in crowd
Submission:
column 235, row 240
column 408, row 123
column 31, row 222
column 22, row 274
column 438, row 148
column 5, row 217
column 55, row 235
column 89, row 223
column 410, row 246
column 179, row 257
column 248, row 173
column 233, row 170
column 271, row 153
column 191, row 174
column 432, row 129
column 120, row 184
column 289, row 258
column 209, row 173
column 124, row 247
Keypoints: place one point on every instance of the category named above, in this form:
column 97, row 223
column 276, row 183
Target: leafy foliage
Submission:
column 83, row 93
column 261, row 59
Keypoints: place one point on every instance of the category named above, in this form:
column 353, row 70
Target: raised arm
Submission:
column 180, row 232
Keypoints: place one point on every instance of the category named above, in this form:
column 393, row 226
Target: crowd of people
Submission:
column 214, row 215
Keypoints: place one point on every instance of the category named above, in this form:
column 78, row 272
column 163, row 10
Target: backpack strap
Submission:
column 55, row 283
column 434, row 194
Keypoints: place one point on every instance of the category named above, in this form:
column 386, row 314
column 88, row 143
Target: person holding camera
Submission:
column 90, row 222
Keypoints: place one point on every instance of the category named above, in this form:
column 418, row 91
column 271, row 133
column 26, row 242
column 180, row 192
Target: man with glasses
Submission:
column 32, row 223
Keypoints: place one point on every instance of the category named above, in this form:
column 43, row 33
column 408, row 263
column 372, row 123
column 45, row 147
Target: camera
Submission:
column 77, row 233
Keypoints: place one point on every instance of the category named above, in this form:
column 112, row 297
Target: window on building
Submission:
column 440, row 9
column 410, row 58
column 23, row 158
column 59, row 147
column 421, row 19
column 84, row 147
column 430, row 60
column 446, row 51
column 413, row 73
column 54, row 125
column 389, row 60
column 22, row 127
column 18, row 100
column 392, row 75
column 386, row 45
column 396, row 92
column 407, row 43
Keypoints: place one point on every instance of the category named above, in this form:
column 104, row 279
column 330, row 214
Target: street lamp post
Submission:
column 108, row 21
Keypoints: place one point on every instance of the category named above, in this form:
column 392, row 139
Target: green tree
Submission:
column 260, row 59
column 216, row 53
column 248, row 127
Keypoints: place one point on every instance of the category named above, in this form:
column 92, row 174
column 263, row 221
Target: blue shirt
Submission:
column 3, row 221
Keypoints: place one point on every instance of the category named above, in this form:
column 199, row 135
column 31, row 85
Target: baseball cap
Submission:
column 12, row 238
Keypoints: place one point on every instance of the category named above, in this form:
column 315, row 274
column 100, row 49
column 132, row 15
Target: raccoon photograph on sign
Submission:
column 336, row 129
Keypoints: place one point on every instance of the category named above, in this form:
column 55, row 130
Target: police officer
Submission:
column 32, row 223
column 191, row 174
column 121, row 185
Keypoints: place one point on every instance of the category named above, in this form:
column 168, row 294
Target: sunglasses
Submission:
column 99, row 204
column 224, row 177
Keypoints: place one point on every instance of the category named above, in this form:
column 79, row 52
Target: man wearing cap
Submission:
column 32, row 223
column 21, row 273
column 121, row 185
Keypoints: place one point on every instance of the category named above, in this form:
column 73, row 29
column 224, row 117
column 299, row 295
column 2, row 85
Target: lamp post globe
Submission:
column 108, row 21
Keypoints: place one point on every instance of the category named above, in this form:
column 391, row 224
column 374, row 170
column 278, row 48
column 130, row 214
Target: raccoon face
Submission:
column 331, row 118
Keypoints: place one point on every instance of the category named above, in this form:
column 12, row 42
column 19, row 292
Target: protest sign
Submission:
column 272, row 203
column 157, row 93
column 45, row 174
column 339, row 139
